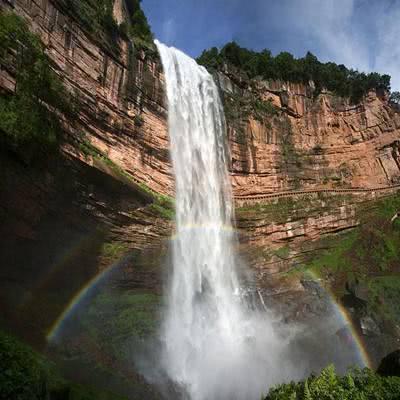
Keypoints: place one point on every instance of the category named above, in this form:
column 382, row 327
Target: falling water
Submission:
column 214, row 346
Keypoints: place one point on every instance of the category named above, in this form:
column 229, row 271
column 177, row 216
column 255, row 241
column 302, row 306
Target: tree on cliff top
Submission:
column 140, row 27
column 395, row 98
column 338, row 79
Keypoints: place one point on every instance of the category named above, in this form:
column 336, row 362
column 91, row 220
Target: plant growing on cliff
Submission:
column 97, row 18
column 29, row 117
column 138, row 120
column 105, row 17
column 140, row 26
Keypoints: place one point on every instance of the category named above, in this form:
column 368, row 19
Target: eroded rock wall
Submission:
column 120, row 93
column 282, row 138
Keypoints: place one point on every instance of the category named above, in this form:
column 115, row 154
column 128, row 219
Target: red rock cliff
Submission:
column 120, row 93
column 283, row 139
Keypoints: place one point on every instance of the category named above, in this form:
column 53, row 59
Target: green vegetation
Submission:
column 140, row 28
column 30, row 118
column 89, row 150
column 96, row 17
column 334, row 258
column 338, row 79
column 239, row 107
column 138, row 120
column 162, row 205
column 279, row 210
column 27, row 375
column 369, row 254
column 282, row 252
column 263, row 109
column 372, row 248
column 112, row 251
column 290, row 157
column 164, row 210
column 116, row 319
column 386, row 288
column 395, row 98
column 356, row 385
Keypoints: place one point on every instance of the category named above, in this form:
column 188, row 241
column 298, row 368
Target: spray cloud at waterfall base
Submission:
column 215, row 345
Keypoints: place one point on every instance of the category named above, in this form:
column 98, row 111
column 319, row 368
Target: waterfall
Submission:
column 215, row 347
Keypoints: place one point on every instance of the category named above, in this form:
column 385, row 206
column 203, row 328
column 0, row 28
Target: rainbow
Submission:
column 86, row 291
column 344, row 317
column 63, row 259
column 360, row 346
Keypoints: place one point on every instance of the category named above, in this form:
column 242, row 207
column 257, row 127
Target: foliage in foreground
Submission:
column 357, row 385
column 342, row 81
column 30, row 118
column 26, row 375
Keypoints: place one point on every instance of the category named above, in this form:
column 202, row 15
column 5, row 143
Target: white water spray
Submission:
column 215, row 347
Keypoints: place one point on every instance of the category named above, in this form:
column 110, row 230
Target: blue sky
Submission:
column 363, row 34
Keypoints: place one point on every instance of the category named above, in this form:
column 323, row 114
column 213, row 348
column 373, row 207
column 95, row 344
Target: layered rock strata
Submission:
column 284, row 139
column 119, row 94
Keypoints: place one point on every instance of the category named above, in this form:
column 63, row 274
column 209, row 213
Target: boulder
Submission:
column 390, row 365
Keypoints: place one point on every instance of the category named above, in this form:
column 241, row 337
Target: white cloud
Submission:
column 361, row 34
column 329, row 23
column 387, row 57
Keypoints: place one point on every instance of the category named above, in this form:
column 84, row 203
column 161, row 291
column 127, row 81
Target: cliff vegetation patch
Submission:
column 162, row 205
column 367, row 257
column 97, row 18
column 30, row 117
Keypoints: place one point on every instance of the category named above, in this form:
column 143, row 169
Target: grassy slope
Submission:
column 364, row 261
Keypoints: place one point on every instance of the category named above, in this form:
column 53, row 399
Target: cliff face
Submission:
column 120, row 95
column 83, row 215
column 283, row 139
column 65, row 222
column 308, row 175
column 319, row 157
